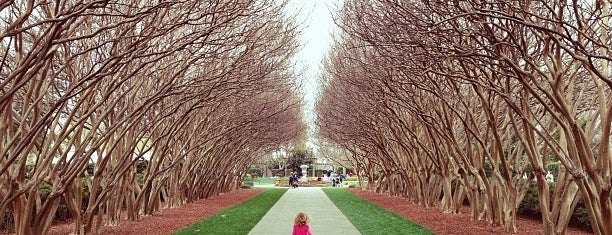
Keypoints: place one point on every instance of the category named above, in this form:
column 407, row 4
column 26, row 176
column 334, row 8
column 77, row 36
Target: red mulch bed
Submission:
column 440, row 223
column 169, row 220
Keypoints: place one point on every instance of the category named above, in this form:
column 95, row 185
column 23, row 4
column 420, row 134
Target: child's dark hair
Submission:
column 301, row 219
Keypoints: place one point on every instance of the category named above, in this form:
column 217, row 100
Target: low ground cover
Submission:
column 369, row 218
column 239, row 219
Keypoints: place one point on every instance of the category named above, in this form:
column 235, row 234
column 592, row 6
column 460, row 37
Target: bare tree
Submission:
column 440, row 91
column 179, row 85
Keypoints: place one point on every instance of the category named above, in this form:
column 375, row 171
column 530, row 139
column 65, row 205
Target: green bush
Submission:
column 487, row 167
column 44, row 189
column 530, row 207
column 580, row 218
column 247, row 177
column 7, row 223
column 553, row 167
column 253, row 171
column 139, row 179
column 247, row 182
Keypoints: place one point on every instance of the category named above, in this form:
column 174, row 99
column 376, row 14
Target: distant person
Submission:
column 300, row 225
column 295, row 182
column 291, row 179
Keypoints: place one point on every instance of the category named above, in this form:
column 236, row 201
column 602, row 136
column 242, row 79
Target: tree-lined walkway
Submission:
column 279, row 220
column 112, row 111
column 325, row 218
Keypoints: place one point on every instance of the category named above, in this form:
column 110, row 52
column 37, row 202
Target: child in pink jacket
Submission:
column 300, row 225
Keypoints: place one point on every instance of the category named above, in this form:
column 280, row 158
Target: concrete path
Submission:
column 325, row 217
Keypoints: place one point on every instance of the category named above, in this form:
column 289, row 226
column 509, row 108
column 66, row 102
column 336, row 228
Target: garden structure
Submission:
column 114, row 110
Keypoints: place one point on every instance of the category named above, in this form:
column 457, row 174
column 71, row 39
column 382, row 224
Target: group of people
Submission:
column 334, row 179
column 330, row 177
column 294, row 180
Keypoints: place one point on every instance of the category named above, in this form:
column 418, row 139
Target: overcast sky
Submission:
column 314, row 18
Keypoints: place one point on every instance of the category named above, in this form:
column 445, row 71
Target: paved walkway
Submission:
column 325, row 217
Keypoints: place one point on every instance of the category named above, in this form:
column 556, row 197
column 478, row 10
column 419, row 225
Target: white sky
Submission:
column 314, row 19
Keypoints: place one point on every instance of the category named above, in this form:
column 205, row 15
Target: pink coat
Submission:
column 301, row 230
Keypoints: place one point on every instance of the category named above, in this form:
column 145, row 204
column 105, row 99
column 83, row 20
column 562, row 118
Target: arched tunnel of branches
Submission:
column 446, row 101
column 196, row 90
column 130, row 106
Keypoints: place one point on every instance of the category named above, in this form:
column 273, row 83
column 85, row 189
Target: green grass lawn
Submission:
column 239, row 219
column 369, row 218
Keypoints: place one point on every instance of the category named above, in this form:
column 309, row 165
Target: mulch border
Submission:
column 172, row 219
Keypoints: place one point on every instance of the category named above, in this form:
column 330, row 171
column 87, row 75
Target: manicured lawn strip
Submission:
column 239, row 219
column 369, row 218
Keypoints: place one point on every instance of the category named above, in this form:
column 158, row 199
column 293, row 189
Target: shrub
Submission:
column 530, row 207
column 139, row 179
column 580, row 218
column 247, row 182
column 350, row 179
column 553, row 167
column 487, row 167
column 247, row 177
column 255, row 172
column 7, row 224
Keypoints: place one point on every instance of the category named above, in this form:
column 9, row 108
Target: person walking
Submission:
column 300, row 225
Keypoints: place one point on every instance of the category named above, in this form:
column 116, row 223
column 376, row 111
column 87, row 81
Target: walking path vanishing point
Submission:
column 325, row 217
